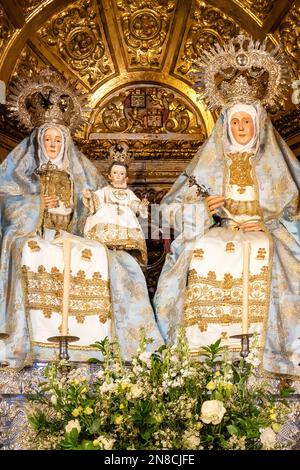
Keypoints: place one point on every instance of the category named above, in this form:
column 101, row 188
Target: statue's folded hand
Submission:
column 254, row 226
column 214, row 203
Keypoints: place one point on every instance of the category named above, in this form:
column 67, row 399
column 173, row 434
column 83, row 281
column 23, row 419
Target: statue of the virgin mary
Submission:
column 253, row 180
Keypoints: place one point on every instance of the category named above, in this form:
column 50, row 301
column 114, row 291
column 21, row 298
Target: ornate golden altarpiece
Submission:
column 133, row 58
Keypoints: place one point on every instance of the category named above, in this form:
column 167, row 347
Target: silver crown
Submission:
column 241, row 71
column 46, row 99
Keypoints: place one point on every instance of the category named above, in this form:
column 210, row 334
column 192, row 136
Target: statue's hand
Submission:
column 50, row 202
column 214, row 203
column 87, row 193
column 254, row 226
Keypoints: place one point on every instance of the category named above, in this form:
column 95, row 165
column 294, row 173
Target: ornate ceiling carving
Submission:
column 6, row 29
column 146, row 110
column 288, row 35
column 28, row 6
column 134, row 58
column 205, row 27
column 260, row 8
column 145, row 28
column 76, row 36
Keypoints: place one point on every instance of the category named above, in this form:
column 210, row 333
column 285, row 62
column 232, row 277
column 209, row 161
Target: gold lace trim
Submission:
column 209, row 300
column 120, row 238
column 243, row 207
column 43, row 291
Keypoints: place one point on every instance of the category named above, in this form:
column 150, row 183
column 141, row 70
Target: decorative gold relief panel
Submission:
column 288, row 124
column 6, row 29
column 146, row 110
column 28, row 64
column 28, row 6
column 158, row 150
column 205, row 27
column 76, row 35
column 145, row 29
column 288, row 34
column 260, row 8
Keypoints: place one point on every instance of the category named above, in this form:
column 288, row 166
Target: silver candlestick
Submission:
column 63, row 342
column 245, row 343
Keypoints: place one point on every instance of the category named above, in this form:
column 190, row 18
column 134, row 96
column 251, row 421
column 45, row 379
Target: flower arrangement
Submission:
column 164, row 400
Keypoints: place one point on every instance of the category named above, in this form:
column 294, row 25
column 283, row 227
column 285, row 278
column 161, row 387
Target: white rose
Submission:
column 53, row 400
column 267, row 438
column 107, row 443
column 212, row 411
column 73, row 424
column 135, row 392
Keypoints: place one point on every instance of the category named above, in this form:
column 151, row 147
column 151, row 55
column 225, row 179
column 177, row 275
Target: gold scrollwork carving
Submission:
column 288, row 35
column 28, row 65
column 29, row 6
column 260, row 8
column 145, row 29
column 163, row 150
column 147, row 110
column 207, row 27
column 76, row 36
column 6, row 29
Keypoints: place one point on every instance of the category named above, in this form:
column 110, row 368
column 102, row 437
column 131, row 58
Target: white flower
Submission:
column 267, row 438
column 146, row 357
column 135, row 392
column 53, row 400
column 191, row 440
column 212, row 411
column 73, row 424
column 108, row 387
column 106, row 443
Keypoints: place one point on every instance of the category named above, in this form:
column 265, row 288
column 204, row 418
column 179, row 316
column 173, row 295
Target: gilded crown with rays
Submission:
column 47, row 98
column 242, row 71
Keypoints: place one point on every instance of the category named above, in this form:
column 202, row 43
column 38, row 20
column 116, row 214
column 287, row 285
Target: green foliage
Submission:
column 164, row 400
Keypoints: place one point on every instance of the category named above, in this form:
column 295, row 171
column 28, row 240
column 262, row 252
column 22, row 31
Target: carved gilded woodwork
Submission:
column 288, row 124
column 260, row 8
column 28, row 65
column 165, row 150
column 76, row 36
column 145, row 28
column 288, row 34
column 6, row 29
column 205, row 27
column 28, row 6
column 147, row 109
column 151, row 44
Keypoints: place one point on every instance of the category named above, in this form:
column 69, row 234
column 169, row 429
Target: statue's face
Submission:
column 118, row 176
column 52, row 142
column 242, row 127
